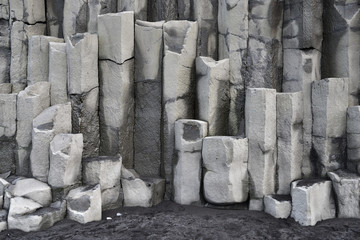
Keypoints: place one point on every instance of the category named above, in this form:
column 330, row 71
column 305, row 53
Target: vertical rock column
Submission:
column 54, row 17
column 233, row 44
column 329, row 105
column 83, row 84
column 139, row 7
column 180, row 38
column 260, row 113
column 5, row 51
column 290, row 113
column 27, row 19
column 116, row 61
column 148, row 89
column 353, row 138
column 342, row 44
column 162, row 10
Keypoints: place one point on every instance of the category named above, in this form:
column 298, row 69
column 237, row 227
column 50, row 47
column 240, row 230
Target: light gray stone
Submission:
column 49, row 123
column 84, row 204
column 5, row 51
column 139, row 7
column 5, row 88
column 32, row 189
column 303, row 27
column 329, row 106
column 301, row 68
column 4, row 9
column 278, row 206
column 213, row 94
column 256, row 204
column 58, row 73
column 20, row 206
column 260, row 115
column 28, row 11
column 353, row 138
column 290, row 114
column 7, row 115
column 3, row 186
column 312, row 201
column 225, row 160
column 108, row 6
column 3, row 220
column 54, row 17
column 65, row 160
column 112, row 198
column 148, row 90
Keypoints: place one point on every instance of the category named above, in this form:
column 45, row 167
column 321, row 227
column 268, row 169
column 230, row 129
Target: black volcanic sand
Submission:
column 171, row 221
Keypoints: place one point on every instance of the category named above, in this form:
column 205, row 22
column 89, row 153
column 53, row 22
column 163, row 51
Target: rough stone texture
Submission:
column 5, row 51
column 353, row 138
column 290, row 114
column 5, row 88
column 49, row 123
column 225, row 160
column 278, row 206
column 265, row 60
column 54, row 17
column 341, row 46
column 303, row 27
column 148, row 91
column 189, row 136
column 84, row 204
column 20, row 34
column 3, row 186
column 7, row 116
column 65, row 160
column 233, row 43
column 256, row 204
column 346, row 186
column 58, row 73
column 162, row 10
column 139, row 7
column 180, row 38
column 301, row 68
column 3, row 222
column 260, row 115
column 30, row 103
column 19, row 207
column 4, row 9
column 329, row 105
column 38, row 58
column 213, row 94
column 108, row 6
column 312, row 201
column 112, row 198
column 27, row 11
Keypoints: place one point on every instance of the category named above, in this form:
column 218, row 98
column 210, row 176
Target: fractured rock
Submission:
column 5, row 51
column 54, row 17
column 353, row 138
column 278, row 206
column 139, row 7
column 7, row 116
column 162, row 10
column 27, row 11
column 33, row 189
column 3, row 220
column 20, row 206
column 112, row 198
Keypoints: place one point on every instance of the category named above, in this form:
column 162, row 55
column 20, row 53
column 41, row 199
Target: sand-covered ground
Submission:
column 171, row 221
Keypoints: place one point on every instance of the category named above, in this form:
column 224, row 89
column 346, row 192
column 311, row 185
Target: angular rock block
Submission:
column 148, row 90
column 54, row 17
column 346, row 186
column 7, row 115
column 145, row 192
column 30, row 103
column 233, row 43
column 108, row 6
column 58, row 73
column 353, row 138
column 312, row 201
column 5, row 9
column 329, row 106
column 303, row 27
column 28, row 11
column 189, row 135
column 3, row 187
column 278, row 206
column 139, row 7
column 19, row 207
column 38, row 58
column 260, row 115
column 3, row 220
column 20, row 34
column 290, row 114
column 256, row 204
column 301, row 68
column 65, row 160
column 180, row 38
column 49, row 123
column 213, row 94
column 225, row 160
column 341, row 45
column 112, row 198
column 84, row 204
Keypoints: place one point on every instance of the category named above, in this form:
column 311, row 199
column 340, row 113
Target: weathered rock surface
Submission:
column 3, row 220
column 278, row 206
column 353, row 138
column 162, row 10
column 5, row 88
column 312, row 201
column 225, row 160
column 7, row 116
column 19, row 207
column 27, row 11
column 54, row 17
column 5, row 51
column 139, row 7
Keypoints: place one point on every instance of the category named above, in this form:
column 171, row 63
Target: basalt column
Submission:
column 162, row 10
column 180, row 38
column 5, row 51
column 148, row 107
column 139, row 7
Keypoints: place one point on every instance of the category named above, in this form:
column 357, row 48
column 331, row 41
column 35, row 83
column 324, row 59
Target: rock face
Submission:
column 278, row 206
column 346, row 187
column 289, row 112
column 180, row 38
column 353, row 138
column 52, row 121
column 84, row 204
column 301, row 68
column 27, row 11
column 116, row 52
column 83, row 88
column 148, row 107
column 139, row 7
column 30, row 103
column 162, row 10
column 312, row 201
column 233, row 42
column 213, row 94
column 261, row 132
column 189, row 135
column 329, row 105
column 3, row 222
column 19, row 207
column 54, row 17
column 225, row 160
column 5, row 51
column 341, row 46
column 65, row 160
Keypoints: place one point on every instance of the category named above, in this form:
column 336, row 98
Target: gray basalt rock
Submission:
column 5, row 88
column 148, row 90
column 5, row 51
column 329, row 106
column 3, row 220
column 353, row 138
column 189, row 135
column 4, row 9
column 162, row 10
column 19, row 207
column 8, row 115
column 139, row 7
column 225, row 160
column 28, row 11
column 278, row 206
column 54, row 17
